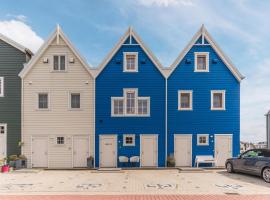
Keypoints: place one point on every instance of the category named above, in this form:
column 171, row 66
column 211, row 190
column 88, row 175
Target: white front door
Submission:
column 223, row 149
column 40, row 152
column 108, row 151
column 80, row 151
column 149, row 150
column 3, row 141
column 183, row 150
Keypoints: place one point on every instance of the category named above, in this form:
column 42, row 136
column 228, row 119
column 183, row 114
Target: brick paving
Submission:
column 138, row 197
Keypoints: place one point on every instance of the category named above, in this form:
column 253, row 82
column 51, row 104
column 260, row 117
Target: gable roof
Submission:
column 58, row 32
column 130, row 33
column 205, row 35
column 15, row 44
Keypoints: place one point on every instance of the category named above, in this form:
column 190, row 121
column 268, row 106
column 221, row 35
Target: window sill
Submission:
column 202, row 144
column 43, row 110
column 218, row 109
column 75, row 109
column 185, row 109
column 201, row 70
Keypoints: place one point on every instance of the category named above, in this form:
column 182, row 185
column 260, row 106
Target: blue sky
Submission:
column 240, row 27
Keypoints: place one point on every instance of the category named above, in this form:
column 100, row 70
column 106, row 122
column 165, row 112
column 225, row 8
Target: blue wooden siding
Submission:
column 203, row 120
column 150, row 83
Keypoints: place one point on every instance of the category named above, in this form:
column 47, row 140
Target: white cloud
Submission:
column 165, row 3
column 20, row 32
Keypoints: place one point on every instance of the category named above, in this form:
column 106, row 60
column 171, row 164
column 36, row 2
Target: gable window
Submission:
column 75, row 100
column 218, row 100
column 185, row 100
column 201, row 62
column 130, row 61
column 60, row 140
column 1, row 86
column 130, row 104
column 43, row 101
column 118, row 106
column 202, row 139
column 129, row 140
column 59, row 62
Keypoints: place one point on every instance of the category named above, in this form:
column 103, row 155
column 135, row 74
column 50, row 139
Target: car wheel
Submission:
column 229, row 167
column 266, row 174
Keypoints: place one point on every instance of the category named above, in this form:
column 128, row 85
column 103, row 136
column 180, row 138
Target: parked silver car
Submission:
column 254, row 162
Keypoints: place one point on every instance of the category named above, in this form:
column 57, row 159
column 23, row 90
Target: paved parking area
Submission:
column 130, row 182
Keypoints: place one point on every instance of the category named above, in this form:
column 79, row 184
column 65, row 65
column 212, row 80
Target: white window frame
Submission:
column 112, row 106
column 148, row 106
column 69, row 100
column 56, row 140
column 196, row 54
column 66, row 62
column 49, row 101
column 5, row 137
column 2, row 87
column 127, row 90
column 125, row 61
column 202, row 135
column 133, row 139
column 223, row 92
column 190, row 92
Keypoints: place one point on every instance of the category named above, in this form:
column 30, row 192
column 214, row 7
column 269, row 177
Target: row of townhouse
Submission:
column 129, row 106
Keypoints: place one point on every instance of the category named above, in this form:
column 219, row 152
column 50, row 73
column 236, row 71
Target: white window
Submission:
column 129, row 140
column 218, row 100
column 75, row 100
column 60, row 140
column 117, row 106
column 130, row 104
column 185, row 100
column 1, row 86
column 43, row 101
column 201, row 62
column 130, row 62
column 143, row 105
column 3, row 129
column 203, row 139
column 59, row 62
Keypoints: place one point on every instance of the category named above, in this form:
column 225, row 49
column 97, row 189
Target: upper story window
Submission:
column 75, row 100
column 60, row 140
column 130, row 104
column 201, row 62
column 43, row 101
column 203, row 139
column 218, row 100
column 1, row 86
column 3, row 129
column 130, row 62
column 59, row 63
column 129, row 140
column 185, row 100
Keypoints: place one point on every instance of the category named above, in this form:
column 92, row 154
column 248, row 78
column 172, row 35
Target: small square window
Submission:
column 43, row 101
column 59, row 62
column 2, row 129
column 75, row 100
column 60, row 140
column 1, row 86
column 185, row 100
column 129, row 140
column 203, row 139
column 218, row 100
column 201, row 62
column 130, row 61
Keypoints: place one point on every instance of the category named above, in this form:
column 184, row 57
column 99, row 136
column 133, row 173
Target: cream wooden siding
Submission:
column 59, row 119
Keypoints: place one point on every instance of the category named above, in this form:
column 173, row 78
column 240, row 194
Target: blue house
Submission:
column 203, row 103
column 130, row 107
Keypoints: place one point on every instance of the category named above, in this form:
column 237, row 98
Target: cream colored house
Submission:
column 57, row 106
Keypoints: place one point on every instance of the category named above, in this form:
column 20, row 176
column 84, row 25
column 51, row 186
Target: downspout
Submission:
column 166, row 122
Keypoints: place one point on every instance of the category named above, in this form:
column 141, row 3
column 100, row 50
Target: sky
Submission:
column 240, row 27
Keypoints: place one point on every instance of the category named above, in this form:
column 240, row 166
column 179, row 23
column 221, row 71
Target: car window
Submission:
column 266, row 153
column 252, row 154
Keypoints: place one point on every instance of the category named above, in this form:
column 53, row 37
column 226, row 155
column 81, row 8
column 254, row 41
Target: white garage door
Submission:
column 80, row 151
column 149, row 150
column 183, row 150
column 223, row 149
column 108, row 151
column 40, row 152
